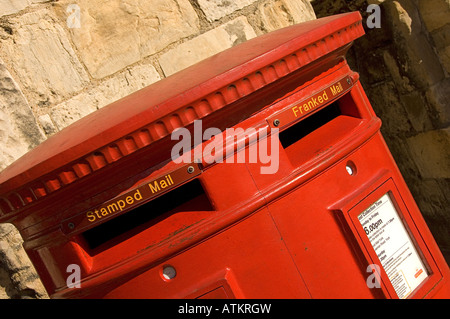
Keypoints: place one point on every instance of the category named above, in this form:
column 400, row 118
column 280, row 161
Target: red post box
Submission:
column 257, row 173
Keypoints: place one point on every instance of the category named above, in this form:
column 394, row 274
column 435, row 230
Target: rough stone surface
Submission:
column 37, row 49
column 115, row 34
column 217, row 9
column 436, row 17
column 435, row 13
column 47, row 124
column 125, row 83
column 19, row 131
column 279, row 14
column 445, row 57
column 433, row 193
column 17, row 275
column 13, row 6
column 438, row 97
column 390, row 109
column 206, row 45
column 431, row 152
column 419, row 59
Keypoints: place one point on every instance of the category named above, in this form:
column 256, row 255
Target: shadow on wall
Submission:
column 404, row 67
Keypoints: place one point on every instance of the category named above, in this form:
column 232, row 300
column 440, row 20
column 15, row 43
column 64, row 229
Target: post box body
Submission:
column 306, row 202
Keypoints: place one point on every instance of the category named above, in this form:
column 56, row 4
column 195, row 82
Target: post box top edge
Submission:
column 118, row 119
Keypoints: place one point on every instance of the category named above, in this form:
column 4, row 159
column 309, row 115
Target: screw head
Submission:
column 190, row 169
column 276, row 122
column 169, row 273
column 71, row 225
column 351, row 168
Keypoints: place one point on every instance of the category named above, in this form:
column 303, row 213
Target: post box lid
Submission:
column 162, row 107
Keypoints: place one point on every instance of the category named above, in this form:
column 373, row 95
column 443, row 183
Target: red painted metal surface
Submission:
column 105, row 195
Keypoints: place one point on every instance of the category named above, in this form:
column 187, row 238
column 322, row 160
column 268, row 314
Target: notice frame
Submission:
column 352, row 211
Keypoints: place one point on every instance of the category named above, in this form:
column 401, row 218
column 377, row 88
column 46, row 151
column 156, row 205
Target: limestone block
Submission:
column 14, row 6
column 435, row 13
column 72, row 110
column 437, row 97
column 431, row 152
column 279, row 14
column 127, row 82
column 206, row 45
column 445, row 58
column 441, row 41
column 109, row 91
column 436, row 17
column 19, row 131
column 216, row 9
column 39, row 52
column 113, row 34
column 416, row 56
column 416, row 111
column 47, row 124
column 24, row 281
column 389, row 108
column 6, row 287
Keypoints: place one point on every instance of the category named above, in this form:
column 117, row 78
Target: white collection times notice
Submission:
column 393, row 246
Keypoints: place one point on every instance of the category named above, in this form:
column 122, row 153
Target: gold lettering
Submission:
column 112, row 208
column 103, row 211
column 137, row 195
column 90, row 216
column 319, row 98
column 335, row 89
column 163, row 184
column 155, row 187
column 295, row 109
column 121, row 204
column 96, row 213
column 128, row 200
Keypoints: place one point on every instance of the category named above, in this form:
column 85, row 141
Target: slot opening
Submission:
column 303, row 128
column 189, row 197
column 319, row 132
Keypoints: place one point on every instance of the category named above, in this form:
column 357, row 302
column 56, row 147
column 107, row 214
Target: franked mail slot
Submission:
column 317, row 124
column 305, row 107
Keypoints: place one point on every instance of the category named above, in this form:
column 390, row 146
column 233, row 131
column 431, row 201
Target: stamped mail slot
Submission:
column 130, row 199
column 300, row 109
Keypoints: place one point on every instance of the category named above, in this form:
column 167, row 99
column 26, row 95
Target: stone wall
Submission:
column 18, row 278
column 61, row 60
column 405, row 71
column 56, row 68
